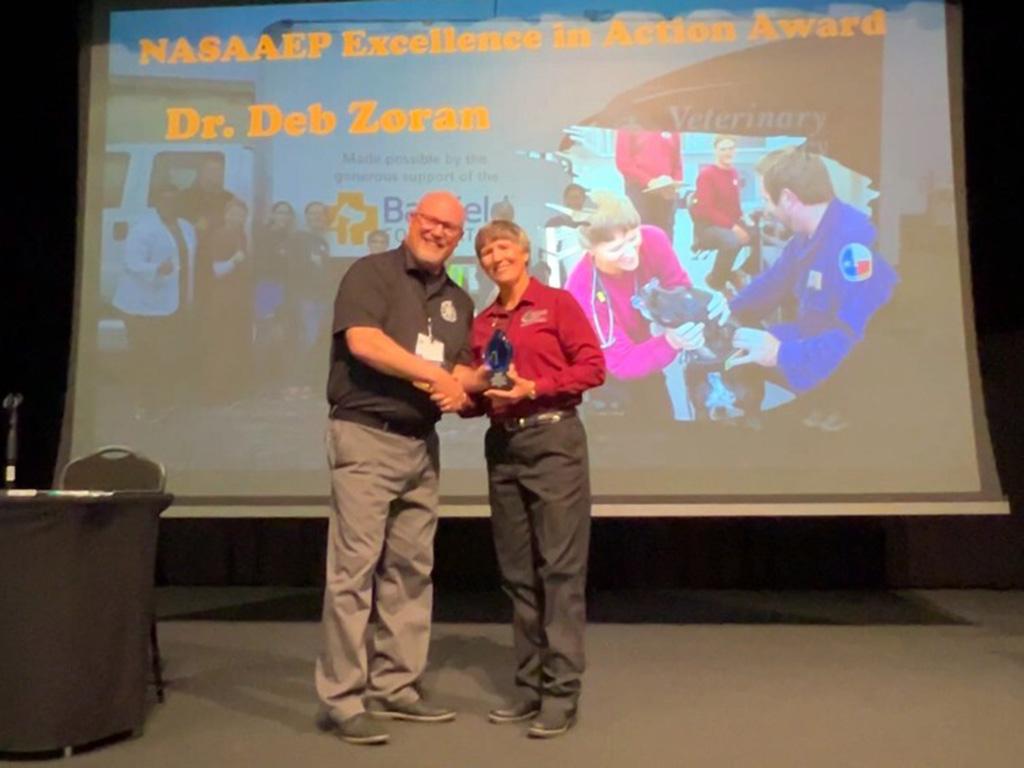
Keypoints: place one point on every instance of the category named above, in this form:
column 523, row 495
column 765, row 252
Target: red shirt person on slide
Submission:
column 651, row 165
column 718, row 222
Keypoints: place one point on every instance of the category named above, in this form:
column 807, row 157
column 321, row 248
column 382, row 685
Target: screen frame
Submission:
column 94, row 33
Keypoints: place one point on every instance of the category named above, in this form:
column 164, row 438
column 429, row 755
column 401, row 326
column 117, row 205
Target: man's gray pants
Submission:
column 380, row 541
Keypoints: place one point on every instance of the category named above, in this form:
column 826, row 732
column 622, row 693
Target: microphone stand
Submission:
column 11, row 403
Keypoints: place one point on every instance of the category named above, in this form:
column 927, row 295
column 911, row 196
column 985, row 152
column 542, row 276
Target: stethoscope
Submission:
column 598, row 295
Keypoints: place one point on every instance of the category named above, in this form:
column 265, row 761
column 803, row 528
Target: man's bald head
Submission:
column 435, row 228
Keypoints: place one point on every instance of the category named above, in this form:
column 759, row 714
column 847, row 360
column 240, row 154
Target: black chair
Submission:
column 117, row 468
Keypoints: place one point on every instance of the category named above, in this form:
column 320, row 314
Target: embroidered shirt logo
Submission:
column 533, row 316
column 448, row 311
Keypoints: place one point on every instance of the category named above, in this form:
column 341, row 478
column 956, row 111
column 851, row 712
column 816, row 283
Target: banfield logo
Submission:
column 397, row 209
column 352, row 218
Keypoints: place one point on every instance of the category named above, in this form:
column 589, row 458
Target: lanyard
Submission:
column 427, row 296
column 606, row 341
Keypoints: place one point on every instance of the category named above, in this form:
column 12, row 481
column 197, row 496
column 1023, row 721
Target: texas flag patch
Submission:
column 856, row 262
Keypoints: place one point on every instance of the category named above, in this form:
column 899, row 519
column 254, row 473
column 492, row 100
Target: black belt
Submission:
column 420, row 431
column 536, row 420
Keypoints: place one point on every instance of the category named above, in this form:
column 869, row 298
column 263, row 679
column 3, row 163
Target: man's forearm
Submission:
column 379, row 351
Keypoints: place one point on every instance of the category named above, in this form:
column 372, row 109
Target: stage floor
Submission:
column 733, row 679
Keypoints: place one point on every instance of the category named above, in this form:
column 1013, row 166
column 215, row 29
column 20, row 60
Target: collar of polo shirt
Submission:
column 411, row 265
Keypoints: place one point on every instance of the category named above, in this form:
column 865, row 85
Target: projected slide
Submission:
column 800, row 164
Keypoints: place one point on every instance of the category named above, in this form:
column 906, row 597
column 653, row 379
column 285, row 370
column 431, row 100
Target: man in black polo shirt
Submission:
column 401, row 338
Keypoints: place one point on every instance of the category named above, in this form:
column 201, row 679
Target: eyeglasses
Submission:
column 429, row 222
column 620, row 246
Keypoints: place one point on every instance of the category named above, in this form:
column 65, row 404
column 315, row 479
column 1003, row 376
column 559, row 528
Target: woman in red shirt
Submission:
column 651, row 164
column 538, row 475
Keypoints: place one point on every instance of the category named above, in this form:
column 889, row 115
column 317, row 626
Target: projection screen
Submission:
column 205, row 345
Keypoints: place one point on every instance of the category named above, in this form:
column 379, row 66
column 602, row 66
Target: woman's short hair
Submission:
column 610, row 214
column 500, row 229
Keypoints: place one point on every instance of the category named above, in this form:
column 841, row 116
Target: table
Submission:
column 76, row 601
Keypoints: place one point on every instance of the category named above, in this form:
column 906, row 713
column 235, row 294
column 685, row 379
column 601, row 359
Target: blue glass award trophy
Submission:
column 498, row 359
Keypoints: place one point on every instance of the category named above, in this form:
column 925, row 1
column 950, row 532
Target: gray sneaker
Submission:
column 514, row 713
column 416, row 712
column 358, row 729
column 551, row 722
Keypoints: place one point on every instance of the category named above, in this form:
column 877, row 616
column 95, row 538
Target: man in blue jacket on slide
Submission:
column 828, row 268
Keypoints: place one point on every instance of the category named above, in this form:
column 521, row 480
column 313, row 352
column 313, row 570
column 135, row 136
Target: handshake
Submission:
column 447, row 390
column 451, row 391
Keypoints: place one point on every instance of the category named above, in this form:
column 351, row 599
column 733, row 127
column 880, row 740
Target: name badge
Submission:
column 430, row 349
column 814, row 280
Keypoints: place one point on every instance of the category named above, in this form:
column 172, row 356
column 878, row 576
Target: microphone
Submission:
column 11, row 403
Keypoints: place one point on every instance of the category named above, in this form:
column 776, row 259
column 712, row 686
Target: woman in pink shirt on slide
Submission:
column 622, row 256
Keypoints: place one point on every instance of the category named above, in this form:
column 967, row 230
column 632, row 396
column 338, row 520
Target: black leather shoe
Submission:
column 358, row 729
column 514, row 713
column 416, row 712
column 551, row 722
